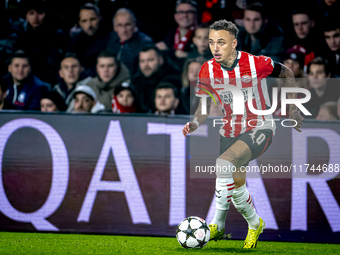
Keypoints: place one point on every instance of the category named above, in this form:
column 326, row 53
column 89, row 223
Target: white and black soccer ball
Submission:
column 193, row 232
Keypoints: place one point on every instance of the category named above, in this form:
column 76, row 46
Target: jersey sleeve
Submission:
column 265, row 66
column 203, row 82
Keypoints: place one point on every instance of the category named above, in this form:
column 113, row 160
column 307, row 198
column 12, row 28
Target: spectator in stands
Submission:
column 260, row 36
column 191, row 69
column 52, row 102
column 125, row 99
column 179, row 40
column 69, row 73
column 166, row 99
column 305, row 34
column 110, row 73
column 323, row 89
column 25, row 89
column 92, row 39
column 126, row 40
column 294, row 59
column 85, row 101
column 153, row 68
column 42, row 40
column 201, row 43
column 4, row 105
column 328, row 111
column 8, row 39
column 331, row 31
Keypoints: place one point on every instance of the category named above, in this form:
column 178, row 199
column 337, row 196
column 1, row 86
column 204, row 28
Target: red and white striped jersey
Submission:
column 250, row 71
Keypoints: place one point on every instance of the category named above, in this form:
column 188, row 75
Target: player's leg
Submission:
column 236, row 155
column 258, row 142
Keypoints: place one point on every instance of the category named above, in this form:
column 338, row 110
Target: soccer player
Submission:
column 239, row 142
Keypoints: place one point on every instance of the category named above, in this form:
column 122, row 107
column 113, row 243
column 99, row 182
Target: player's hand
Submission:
column 189, row 127
column 295, row 115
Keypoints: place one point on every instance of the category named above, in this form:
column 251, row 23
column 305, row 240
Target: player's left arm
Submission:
column 289, row 81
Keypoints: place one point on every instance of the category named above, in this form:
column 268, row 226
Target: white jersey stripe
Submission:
column 211, row 73
column 253, row 70
column 238, row 76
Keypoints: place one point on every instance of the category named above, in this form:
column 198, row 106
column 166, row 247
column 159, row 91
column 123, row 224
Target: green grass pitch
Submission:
column 43, row 243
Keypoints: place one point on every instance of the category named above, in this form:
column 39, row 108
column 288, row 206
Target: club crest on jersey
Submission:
column 246, row 78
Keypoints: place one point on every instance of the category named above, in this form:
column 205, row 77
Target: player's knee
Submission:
column 224, row 168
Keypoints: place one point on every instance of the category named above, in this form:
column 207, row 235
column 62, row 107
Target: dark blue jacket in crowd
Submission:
column 26, row 96
column 128, row 51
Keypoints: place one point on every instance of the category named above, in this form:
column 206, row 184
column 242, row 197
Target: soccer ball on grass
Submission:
column 193, row 232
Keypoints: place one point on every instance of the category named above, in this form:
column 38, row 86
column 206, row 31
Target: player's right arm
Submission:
column 199, row 118
column 202, row 86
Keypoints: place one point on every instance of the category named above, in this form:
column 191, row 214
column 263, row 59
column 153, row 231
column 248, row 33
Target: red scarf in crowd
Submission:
column 118, row 108
column 180, row 42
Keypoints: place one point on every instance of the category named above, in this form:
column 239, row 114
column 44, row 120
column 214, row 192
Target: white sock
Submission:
column 243, row 202
column 223, row 193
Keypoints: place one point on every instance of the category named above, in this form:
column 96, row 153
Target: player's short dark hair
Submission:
column 19, row 54
column 319, row 61
column 225, row 25
column 3, row 84
column 148, row 47
column 69, row 55
column 90, row 6
column 191, row 2
column 257, row 7
column 166, row 85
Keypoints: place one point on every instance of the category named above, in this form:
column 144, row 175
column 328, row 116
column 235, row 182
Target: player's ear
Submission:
column 234, row 43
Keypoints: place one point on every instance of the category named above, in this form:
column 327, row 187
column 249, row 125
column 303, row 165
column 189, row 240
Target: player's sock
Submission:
column 223, row 192
column 243, row 202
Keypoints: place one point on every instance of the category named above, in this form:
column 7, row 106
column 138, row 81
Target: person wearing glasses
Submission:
column 177, row 42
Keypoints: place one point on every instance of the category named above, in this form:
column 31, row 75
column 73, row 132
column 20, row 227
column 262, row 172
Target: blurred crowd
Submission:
column 108, row 56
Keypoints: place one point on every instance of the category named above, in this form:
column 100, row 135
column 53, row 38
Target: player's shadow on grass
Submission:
column 223, row 250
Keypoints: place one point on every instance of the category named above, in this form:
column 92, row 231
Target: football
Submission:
column 193, row 232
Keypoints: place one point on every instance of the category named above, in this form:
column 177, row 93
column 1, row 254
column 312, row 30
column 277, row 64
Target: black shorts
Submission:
column 257, row 140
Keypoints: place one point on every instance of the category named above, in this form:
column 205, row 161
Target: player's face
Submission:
column 201, row 40
column 70, row 70
column 83, row 103
column 333, row 39
column 125, row 97
column 185, row 16
column 34, row 18
column 252, row 21
column 165, row 100
column 193, row 71
column 302, row 25
column 89, row 21
column 221, row 44
column 293, row 65
column 19, row 69
column 47, row 105
column 124, row 26
column 317, row 76
column 106, row 68
column 149, row 62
